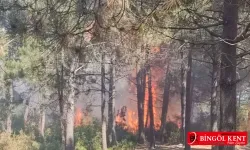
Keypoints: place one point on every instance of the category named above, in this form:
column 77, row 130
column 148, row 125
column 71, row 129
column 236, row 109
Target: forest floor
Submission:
column 180, row 147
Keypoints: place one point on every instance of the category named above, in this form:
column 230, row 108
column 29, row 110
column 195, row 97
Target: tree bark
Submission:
column 165, row 105
column 141, row 84
column 9, row 97
column 228, row 70
column 183, row 99
column 215, row 57
column 26, row 114
column 141, row 89
column 188, row 97
column 60, row 88
column 214, row 106
column 42, row 121
column 248, row 117
column 151, row 110
column 111, row 107
column 147, row 118
column 214, row 124
column 71, row 104
column 103, row 104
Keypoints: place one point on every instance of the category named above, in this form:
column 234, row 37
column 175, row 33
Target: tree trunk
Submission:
column 239, row 100
column 71, row 104
column 42, row 121
column 214, row 90
column 26, row 114
column 214, row 109
column 228, row 70
column 151, row 110
column 188, row 97
column 111, row 107
column 141, row 89
column 60, row 88
column 183, row 99
column 147, row 118
column 215, row 57
column 9, row 97
column 165, row 105
column 248, row 118
column 141, row 84
column 103, row 101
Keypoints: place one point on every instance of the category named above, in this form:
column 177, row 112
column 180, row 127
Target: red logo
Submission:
column 217, row 138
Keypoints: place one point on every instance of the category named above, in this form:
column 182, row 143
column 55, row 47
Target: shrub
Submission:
column 20, row 142
column 242, row 118
column 88, row 137
column 173, row 133
column 202, row 122
column 52, row 139
column 124, row 145
column 122, row 133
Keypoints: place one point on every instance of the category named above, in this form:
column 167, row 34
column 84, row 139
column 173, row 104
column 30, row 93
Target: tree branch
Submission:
column 191, row 28
column 206, row 29
column 244, row 35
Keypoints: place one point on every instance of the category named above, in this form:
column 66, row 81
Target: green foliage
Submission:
column 173, row 133
column 51, row 140
column 17, row 142
column 32, row 62
column 88, row 137
column 242, row 117
column 17, row 122
column 52, row 137
column 122, row 133
column 202, row 122
column 124, row 145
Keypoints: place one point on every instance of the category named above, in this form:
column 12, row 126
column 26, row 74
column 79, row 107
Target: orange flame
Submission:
column 129, row 119
column 128, row 122
column 157, row 121
column 78, row 117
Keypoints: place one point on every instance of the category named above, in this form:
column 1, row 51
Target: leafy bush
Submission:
column 52, row 139
column 88, row 137
column 124, row 145
column 202, row 122
column 122, row 133
column 242, row 117
column 173, row 133
column 20, row 142
column 52, row 135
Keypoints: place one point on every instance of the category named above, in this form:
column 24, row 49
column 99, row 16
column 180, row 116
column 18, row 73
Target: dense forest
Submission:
column 122, row 74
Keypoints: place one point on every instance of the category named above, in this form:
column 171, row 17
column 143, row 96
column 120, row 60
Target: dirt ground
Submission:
column 180, row 147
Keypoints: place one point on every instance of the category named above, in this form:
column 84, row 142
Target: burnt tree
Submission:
column 165, row 104
column 103, row 104
column 183, row 99
column 228, row 69
column 60, row 88
column 188, row 97
column 111, row 106
column 151, row 111
column 141, row 85
column 71, row 102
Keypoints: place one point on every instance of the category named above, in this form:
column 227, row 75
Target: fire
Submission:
column 127, row 118
column 157, row 121
column 82, row 117
column 78, row 117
